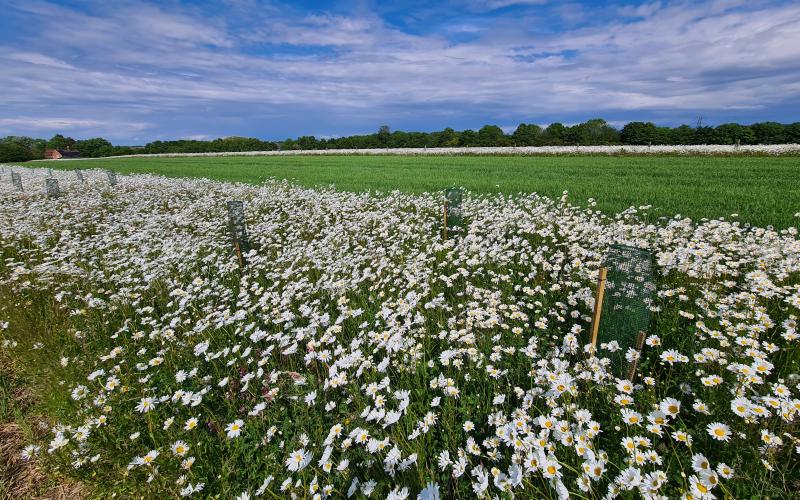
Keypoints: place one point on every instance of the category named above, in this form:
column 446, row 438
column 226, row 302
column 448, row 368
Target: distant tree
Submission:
column 398, row 139
column 703, row 134
column 36, row 146
column 637, row 133
column 491, row 135
column 468, row 138
column 125, row 150
column 596, row 132
column 417, row 140
column 58, row 141
column 154, row 147
column 526, row 135
column 11, row 151
column 91, row 147
column 447, row 138
column 307, row 142
column 384, row 135
column 646, row 133
column 733, row 133
column 682, row 135
column 792, row 133
column 663, row 135
column 108, row 151
column 20, row 148
column 554, row 134
column 768, row 133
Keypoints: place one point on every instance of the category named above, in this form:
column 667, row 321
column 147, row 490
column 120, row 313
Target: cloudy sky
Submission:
column 135, row 71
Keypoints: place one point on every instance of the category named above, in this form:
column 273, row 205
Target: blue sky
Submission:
column 135, row 71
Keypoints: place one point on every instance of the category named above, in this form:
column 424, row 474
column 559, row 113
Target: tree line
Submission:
column 18, row 148
column 590, row 133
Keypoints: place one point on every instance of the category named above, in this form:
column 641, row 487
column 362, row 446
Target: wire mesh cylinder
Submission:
column 454, row 215
column 52, row 188
column 16, row 180
column 628, row 297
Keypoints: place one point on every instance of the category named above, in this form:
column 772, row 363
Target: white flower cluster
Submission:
column 358, row 354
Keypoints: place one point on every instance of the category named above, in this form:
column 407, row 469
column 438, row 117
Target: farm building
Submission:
column 57, row 154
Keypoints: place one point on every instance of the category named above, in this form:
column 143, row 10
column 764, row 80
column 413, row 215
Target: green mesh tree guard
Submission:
column 51, row 186
column 16, row 180
column 453, row 211
column 628, row 296
column 237, row 225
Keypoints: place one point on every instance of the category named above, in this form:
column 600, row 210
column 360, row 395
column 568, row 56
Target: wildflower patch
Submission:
column 360, row 355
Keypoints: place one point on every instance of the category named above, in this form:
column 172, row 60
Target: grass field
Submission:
column 762, row 190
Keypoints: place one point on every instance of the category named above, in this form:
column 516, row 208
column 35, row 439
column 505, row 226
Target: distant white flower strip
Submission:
column 709, row 149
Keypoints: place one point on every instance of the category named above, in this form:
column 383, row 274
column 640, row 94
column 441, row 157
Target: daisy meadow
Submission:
column 353, row 350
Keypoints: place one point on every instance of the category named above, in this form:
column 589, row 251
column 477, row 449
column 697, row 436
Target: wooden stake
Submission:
column 444, row 217
column 639, row 346
column 598, row 303
column 239, row 255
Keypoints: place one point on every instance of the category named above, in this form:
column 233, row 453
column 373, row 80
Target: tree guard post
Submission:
column 444, row 219
column 238, row 248
column 639, row 345
column 238, row 230
column 598, row 304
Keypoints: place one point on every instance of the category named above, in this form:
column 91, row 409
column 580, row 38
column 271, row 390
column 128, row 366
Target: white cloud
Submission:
column 642, row 10
column 33, row 122
column 83, row 127
column 134, row 63
column 38, row 59
column 486, row 5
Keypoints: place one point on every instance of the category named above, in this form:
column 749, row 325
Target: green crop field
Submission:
column 761, row 190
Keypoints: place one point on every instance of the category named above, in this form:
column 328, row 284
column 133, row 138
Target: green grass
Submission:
column 762, row 190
